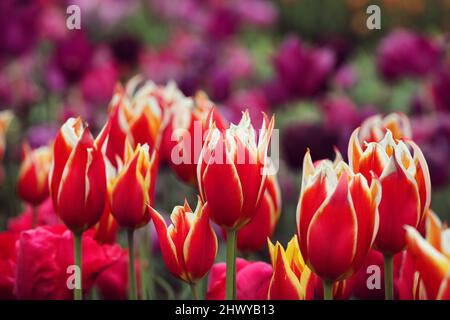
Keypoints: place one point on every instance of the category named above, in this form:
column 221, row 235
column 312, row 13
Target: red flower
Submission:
column 43, row 255
column 252, row 280
column 77, row 177
column 336, row 207
column 253, row 236
column 112, row 282
column 32, row 183
column 105, row 231
column 189, row 245
column 190, row 119
column 46, row 216
column 237, row 161
column 132, row 190
column 405, row 185
column 7, row 264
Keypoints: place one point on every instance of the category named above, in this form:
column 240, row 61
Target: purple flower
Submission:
column 432, row 134
column 406, row 54
column 303, row 71
column 345, row 77
column 440, row 88
column 41, row 135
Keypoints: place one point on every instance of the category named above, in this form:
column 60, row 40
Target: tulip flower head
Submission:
column 405, row 184
column 291, row 277
column 189, row 244
column 184, row 135
column 77, row 176
column 32, row 184
column 433, row 265
column 236, row 162
column 336, row 207
column 253, row 236
column 136, row 114
column 375, row 127
column 5, row 119
column 132, row 190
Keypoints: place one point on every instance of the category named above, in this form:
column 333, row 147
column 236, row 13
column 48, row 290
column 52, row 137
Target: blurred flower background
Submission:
column 313, row 63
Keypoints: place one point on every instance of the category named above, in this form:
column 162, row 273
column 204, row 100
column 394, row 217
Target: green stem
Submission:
column 231, row 265
column 194, row 290
column 327, row 289
column 389, row 276
column 131, row 267
column 34, row 217
column 151, row 271
column 78, row 292
column 144, row 264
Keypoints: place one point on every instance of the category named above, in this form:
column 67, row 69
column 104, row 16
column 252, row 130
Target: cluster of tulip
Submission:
column 347, row 212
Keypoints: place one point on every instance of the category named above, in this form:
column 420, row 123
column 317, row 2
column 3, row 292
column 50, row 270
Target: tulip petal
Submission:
column 166, row 244
column 432, row 265
column 399, row 206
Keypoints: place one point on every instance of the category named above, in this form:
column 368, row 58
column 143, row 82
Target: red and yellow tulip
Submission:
column 236, row 160
column 336, row 207
column 432, row 264
column 77, row 176
column 291, row 278
column 132, row 190
column 5, row 119
column 189, row 244
column 253, row 236
column 32, row 184
column 184, row 136
column 375, row 127
column 405, row 183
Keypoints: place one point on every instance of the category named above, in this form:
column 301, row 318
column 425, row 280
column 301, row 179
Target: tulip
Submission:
column 237, row 161
column 184, row 136
column 42, row 215
column 77, row 181
column 252, row 280
column 335, row 206
column 291, row 277
column 394, row 58
column 5, row 119
column 43, row 258
column 253, row 236
column 105, row 231
column 130, row 194
column 375, row 127
column 135, row 114
column 32, row 184
column 405, row 185
column 189, row 244
column 433, row 265
column 8, row 259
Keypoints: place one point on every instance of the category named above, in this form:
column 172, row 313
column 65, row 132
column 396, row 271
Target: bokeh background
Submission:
column 312, row 63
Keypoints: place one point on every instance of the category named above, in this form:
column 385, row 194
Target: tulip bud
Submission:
column 405, row 184
column 189, row 244
column 236, row 161
column 77, row 177
column 32, row 184
column 132, row 190
column 291, row 278
column 253, row 236
column 434, row 266
column 338, row 207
